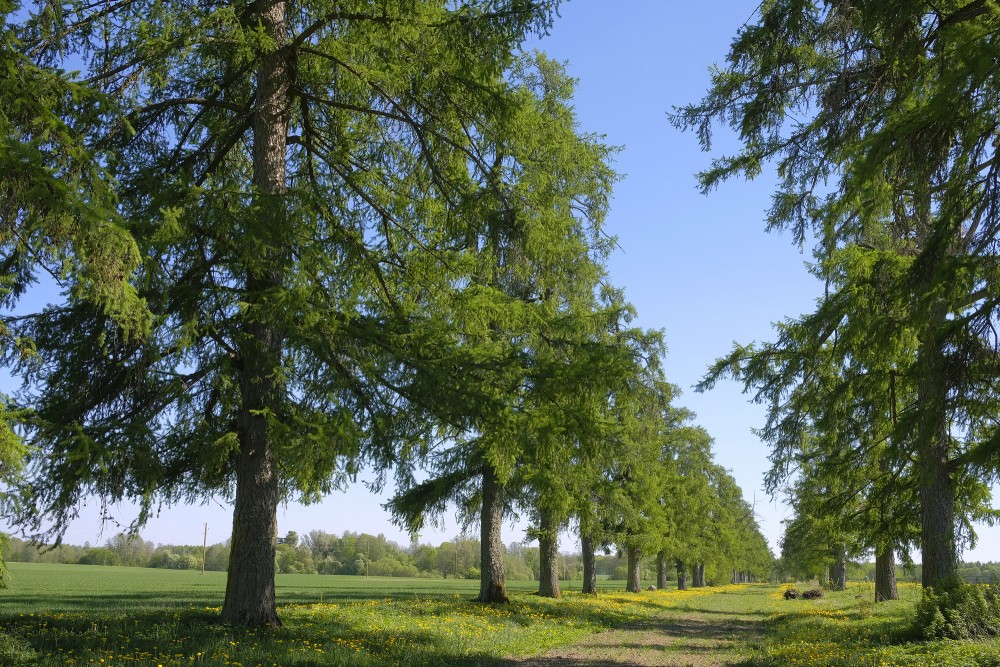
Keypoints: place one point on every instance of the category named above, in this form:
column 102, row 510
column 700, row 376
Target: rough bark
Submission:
column 939, row 556
column 699, row 575
column 589, row 566
column 838, row 572
column 548, row 557
column 633, row 584
column 661, row 571
column 492, row 582
column 249, row 599
column 682, row 576
column 885, row 576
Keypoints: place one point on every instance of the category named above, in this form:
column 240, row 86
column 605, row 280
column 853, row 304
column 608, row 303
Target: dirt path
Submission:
column 673, row 640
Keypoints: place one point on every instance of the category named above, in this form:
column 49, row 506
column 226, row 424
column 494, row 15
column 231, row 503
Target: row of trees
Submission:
column 794, row 569
column 882, row 120
column 318, row 552
column 295, row 240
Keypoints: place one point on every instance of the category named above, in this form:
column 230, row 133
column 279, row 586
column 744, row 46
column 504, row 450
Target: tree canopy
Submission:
column 881, row 120
column 297, row 239
column 306, row 186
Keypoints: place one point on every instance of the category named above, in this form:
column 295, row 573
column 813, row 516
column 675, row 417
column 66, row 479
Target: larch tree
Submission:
column 841, row 403
column 540, row 342
column 305, row 185
column 687, row 498
column 589, row 472
column 733, row 536
column 741, row 546
column 642, row 517
column 566, row 478
column 882, row 121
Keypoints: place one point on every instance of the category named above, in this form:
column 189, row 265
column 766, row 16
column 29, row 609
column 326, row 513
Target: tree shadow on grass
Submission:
column 152, row 637
column 71, row 603
column 719, row 612
column 144, row 626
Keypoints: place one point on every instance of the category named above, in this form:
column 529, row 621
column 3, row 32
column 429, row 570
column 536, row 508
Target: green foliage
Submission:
column 100, row 556
column 169, row 560
column 57, row 216
column 874, row 115
column 399, row 129
column 964, row 611
column 59, row 210
column 320, row 196
column 532, row 311
column 16, row 651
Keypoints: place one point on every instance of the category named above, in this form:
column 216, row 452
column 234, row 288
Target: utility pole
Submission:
column 204, row 549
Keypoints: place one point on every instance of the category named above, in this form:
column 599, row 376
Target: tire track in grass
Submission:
column 675, row 639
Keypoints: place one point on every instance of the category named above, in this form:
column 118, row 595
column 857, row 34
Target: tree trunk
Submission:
column 838, row 573
column 939, row 555
column 937, row 491
column 682, row 576
column 548, row 557
column 589, row 566
column 633, row 583
column 492, row 582
column 661, row 570
column 699, row 575
column 249, row 599
column 885, row 575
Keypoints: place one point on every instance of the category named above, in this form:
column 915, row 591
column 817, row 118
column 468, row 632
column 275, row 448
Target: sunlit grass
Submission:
column 844, row 629
column 66, row 615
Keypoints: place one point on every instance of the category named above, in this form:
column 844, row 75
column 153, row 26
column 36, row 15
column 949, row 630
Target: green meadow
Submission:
column 88, row 615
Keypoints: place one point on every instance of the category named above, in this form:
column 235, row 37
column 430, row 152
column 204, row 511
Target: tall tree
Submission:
column 881, row 118
column 736, row 541
column 541, row 344
column 687, row 498
column 302, row 181
column 642, row 518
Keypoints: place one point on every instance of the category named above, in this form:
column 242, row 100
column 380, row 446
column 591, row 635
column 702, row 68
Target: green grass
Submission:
column 48, row 587
column 80, row 615
column 845, row 630
column 71, row 615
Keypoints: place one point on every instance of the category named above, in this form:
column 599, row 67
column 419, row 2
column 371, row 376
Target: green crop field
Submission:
column 87, row 615
column 37, row 587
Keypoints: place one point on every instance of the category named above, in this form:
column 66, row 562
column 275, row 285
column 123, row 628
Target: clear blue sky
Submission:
column 699, row 267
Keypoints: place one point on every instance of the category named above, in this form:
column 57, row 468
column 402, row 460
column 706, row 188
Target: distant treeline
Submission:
column 973, row 573
column 319, row 552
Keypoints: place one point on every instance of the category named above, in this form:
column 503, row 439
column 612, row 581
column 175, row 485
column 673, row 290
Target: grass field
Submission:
column 80, row 615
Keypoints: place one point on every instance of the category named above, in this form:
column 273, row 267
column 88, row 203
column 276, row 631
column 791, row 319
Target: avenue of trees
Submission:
column 358, row 554
column 882, row 121
column 362, row 554
column 295, row 240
